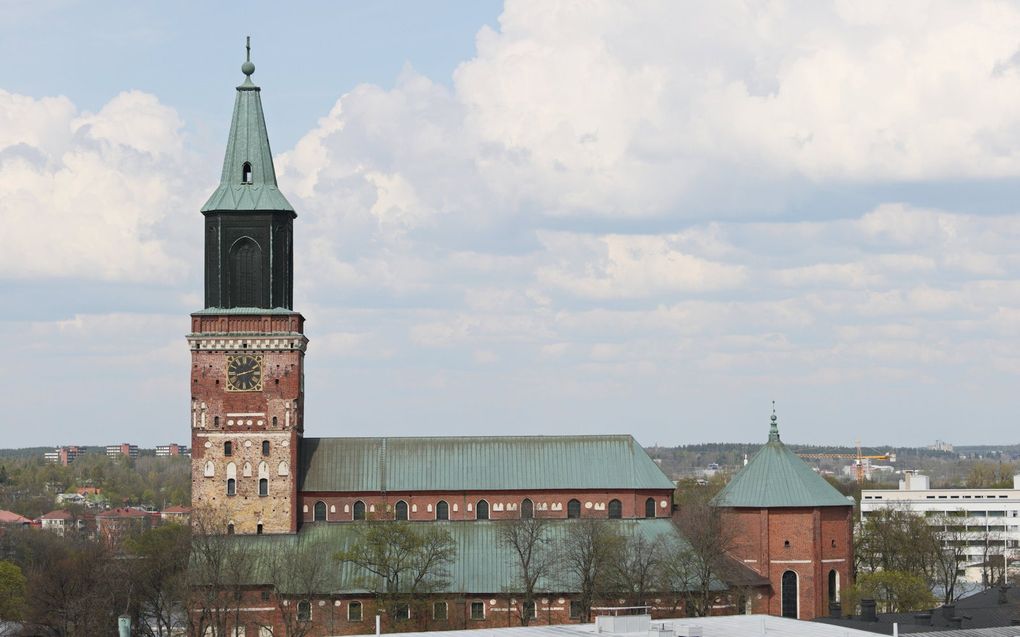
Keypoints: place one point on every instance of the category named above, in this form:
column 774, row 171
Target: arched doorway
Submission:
column 789, row 595
column 833, row 586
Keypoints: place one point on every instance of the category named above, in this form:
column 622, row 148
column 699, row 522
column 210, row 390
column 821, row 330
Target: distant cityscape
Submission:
column 66, row 454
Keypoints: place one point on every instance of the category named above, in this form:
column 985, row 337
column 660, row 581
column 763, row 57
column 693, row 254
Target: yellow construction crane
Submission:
column 858, row 458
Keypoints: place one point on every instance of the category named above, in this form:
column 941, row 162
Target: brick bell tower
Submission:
column 247, row 345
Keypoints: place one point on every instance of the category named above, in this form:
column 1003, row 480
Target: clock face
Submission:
column 244, row 373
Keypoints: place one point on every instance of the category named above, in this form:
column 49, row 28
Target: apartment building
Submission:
column 988, row 520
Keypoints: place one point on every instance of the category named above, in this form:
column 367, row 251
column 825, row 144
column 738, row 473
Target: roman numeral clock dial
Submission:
column 244, row 373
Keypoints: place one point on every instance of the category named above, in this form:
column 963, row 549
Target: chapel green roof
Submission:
column 477, row 463
column 483, row 564
column 248, row 145
column 777, row 477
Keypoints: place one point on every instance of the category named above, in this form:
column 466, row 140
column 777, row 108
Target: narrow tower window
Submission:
column 263, row 486
column 245, row 273
column 228, row 448
column 401, row 510
column 442, row 510
column 650, row 508
column 265, row 447
column 482, row 510
column 246, row 173
column 319, row 513
column 359, row 510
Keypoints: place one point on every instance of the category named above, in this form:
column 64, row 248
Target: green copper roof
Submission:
column 777, row 477
column 248, row 145
column 483, row 565
column 477, row 463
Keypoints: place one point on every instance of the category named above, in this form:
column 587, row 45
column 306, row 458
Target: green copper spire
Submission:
column 774, row 428
column 777, row 477
column 248, row 181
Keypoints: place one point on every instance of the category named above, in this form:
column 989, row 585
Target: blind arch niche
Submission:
column 245, row 271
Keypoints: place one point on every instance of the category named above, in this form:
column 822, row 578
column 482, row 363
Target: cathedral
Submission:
column 270, row 486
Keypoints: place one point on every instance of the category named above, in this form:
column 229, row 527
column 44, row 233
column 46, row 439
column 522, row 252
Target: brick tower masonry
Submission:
column 247, row 345
column 792, row 527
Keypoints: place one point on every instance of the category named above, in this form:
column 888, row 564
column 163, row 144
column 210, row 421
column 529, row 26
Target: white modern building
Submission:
column 988, row 519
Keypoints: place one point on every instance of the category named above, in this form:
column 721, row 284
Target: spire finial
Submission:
column 774, row 427
column 248, row 67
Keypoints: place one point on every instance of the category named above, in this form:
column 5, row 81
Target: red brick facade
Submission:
column 810, row 542
column 260, row 608
column 502, row 505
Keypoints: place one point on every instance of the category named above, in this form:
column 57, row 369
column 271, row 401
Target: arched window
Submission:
column 527, row 509
column 245, row 273
column 304, row 611
column 354, row 612
column 400, row 510
column 574, row 509
column 615, row 510
column 650, row 508
column 482, row 510
column 319, row 514
column 442, row 510
column 263, row 486
column 789, row 598
column 246, row 173
column 359, row 510
column 230, row 529
column 265, row 447
column 833, row 586
column 228, row 448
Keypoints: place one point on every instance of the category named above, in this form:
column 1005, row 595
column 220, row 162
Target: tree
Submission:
column 638, row 569
column 692, row 566
column 12, row 591
column 893, row 591
column 220, row 567
column 297, row 573
column 588, row 552
column 159, row 578
column 400, row 562
column 529, row 542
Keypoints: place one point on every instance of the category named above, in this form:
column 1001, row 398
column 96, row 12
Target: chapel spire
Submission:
column 248, row 180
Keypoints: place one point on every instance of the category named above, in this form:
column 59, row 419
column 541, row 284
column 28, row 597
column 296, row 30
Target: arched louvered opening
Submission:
column 319, row 513
column 527, row 509
column 574, row 509
column 245, row 273
column 246, row 173
column 650, row 508
column 359, row 510
column 789, row 595
column 442, row 510
column 400, row 510
column 615, row 510
column 482, row 510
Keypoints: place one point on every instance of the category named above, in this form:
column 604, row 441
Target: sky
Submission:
column 530, row 217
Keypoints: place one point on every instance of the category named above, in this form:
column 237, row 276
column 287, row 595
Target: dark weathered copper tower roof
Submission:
column 248, row 181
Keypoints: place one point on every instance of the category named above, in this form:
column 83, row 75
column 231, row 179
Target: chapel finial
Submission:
column 248, row 67
column 774, row 428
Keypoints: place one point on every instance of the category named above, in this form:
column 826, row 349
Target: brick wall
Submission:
column 811, row 542
column 502, row 504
